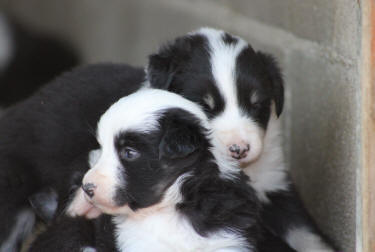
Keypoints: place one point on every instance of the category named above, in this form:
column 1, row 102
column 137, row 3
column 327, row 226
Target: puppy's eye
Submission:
column 254, row 101
column 253, row 98
column 209, row 101
column 129, row 154
column 255, row 106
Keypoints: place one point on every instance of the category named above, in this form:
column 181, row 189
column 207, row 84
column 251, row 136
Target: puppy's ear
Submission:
column 163, row 65
column 276, row 78
column 180, row 143
column 160, row 71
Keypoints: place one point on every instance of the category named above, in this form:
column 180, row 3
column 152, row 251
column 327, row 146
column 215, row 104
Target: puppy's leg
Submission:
column 285, row 216
column 20, row 229
column 77, row 235
column 66, row 234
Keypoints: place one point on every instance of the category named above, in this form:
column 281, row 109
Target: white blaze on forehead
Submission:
column 232, row 126
column 6, row 48
column 223, row 63
column 140, row 112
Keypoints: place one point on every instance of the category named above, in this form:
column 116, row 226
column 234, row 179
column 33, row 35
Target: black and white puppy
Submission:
column 29, row 60
column 241, row 91
column 161, row 176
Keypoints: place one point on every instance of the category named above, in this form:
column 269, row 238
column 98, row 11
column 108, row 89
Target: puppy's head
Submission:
column 148, row 140
column 236, row 86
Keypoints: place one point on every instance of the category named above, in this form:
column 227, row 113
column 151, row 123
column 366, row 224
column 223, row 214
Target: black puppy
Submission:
column 45, row 140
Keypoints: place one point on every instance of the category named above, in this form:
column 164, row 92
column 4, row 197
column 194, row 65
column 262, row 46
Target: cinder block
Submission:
column 325, row 141
column 312, row 20
column 347, row 30
column 116, row 31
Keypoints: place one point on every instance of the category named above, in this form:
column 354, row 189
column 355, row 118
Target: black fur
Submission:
column 185, row 64
column 184, row 67
column 213, row 203
column 73, row 234
column 285, row 211
column 44, row 204
column 272, row 243
column 66, row 235
column 229, row 39
column 46, row 139
column 274, row 78
column 164, row 155
column 50, row 129
column 254, row 78
column 36, row 59
column 210, row 202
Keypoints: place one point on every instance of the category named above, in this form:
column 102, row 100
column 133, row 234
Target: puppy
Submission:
column 161, row 175
column 241, row 91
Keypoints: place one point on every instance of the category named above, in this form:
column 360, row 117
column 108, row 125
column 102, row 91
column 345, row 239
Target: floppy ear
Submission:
column 163, row 65
column 160, row 71
column 180, row 142
column 276, row 79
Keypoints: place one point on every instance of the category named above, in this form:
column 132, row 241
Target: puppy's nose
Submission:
column 239, row 151
column 89, row 189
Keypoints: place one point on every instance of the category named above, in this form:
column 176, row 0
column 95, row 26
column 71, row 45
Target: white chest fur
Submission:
column 268, row 173
column 168, row 231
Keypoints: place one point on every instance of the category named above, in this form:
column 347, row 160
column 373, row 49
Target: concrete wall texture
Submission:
column 317, row 43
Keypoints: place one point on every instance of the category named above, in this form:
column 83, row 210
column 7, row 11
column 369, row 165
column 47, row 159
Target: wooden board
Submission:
column 368, row 125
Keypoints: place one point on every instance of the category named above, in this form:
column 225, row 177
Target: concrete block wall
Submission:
column 317, row 43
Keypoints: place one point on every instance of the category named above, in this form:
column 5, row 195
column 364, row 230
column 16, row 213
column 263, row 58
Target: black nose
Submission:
column 239, row 152
column 88, row 188
column 235, row 148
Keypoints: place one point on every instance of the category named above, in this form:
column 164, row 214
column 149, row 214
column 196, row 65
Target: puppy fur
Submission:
column 45, row 140
column 158, row 174
column 61, row 115
column 241, row 91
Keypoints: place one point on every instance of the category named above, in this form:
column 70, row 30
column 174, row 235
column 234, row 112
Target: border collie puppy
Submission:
column 166, row 184
column 28, row 60
column 241, row 91
column 45, row 141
